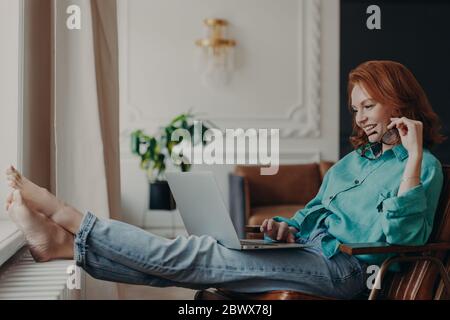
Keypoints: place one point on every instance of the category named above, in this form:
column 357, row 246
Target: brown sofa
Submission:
column 254, row 197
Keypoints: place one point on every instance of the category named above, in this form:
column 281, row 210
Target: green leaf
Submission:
column 156, row 148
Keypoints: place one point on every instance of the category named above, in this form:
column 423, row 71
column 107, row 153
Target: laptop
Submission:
column 203, row 211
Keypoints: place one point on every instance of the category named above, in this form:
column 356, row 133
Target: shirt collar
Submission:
column 399, row 151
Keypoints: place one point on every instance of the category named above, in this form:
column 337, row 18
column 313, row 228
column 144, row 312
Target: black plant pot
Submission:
column 161, row 197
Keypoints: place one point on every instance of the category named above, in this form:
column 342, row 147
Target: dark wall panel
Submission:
column 414, row 33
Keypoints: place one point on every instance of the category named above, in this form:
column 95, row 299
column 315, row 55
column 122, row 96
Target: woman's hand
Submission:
column 411, row 134
column 279, row 231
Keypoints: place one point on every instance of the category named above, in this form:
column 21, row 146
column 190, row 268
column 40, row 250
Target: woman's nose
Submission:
column 360, row 118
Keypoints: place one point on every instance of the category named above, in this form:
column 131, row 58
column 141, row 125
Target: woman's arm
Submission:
column 407, row 217
column 411, row 174
column 411, row 135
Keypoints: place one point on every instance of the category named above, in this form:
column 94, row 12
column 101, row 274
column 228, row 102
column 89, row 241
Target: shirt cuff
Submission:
column 290, row 222
column 411, row 202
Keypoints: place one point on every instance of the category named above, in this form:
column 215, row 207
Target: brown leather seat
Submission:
column 424, row 274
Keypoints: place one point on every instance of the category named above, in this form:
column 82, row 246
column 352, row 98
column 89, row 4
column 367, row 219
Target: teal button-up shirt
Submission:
column 358, row 203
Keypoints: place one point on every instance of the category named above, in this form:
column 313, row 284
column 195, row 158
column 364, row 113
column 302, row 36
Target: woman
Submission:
column 386, row 190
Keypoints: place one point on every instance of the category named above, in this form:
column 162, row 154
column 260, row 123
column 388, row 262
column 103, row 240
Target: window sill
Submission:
column 11, row 240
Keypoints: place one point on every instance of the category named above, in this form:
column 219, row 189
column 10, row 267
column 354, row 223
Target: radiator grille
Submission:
column 27, row 280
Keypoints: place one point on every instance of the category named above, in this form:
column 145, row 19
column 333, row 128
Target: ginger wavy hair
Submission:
column 392, row 84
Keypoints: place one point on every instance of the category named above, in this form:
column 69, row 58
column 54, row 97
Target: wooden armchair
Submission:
column 424, row 271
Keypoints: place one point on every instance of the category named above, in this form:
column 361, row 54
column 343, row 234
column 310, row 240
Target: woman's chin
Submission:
column 373, row 138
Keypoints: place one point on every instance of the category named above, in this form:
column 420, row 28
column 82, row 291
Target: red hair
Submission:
column 392, row 84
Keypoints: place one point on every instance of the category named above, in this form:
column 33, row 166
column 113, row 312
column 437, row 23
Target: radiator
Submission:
column 25, row 279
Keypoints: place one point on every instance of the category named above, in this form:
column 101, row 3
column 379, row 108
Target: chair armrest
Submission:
column 376, row 247
column 382, row 247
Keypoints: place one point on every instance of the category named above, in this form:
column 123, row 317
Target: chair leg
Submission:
column 379, row 279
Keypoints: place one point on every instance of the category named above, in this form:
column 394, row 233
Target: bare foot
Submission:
column 46, row 240
column 35, row 197
column 41, row 200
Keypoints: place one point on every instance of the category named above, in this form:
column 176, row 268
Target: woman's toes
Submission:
column 12, row 177
column 13, row 170
column 35, row 197
column 17, row 198
column 14, row 180
column 13, row 184
column 10, row 170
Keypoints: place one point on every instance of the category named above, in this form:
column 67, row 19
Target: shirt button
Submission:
column 331, row 197
column 356, row 181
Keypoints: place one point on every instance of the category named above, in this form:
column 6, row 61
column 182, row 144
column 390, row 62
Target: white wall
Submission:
column 9, row 89
column 287, row 77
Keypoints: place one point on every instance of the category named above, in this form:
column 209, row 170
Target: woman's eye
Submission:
column 354, row 111
column 369, row 107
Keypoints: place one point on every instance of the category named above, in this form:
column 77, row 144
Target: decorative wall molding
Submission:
column 299, row 121
column 289, row 156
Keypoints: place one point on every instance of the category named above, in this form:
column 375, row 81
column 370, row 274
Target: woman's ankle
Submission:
column 69, row 218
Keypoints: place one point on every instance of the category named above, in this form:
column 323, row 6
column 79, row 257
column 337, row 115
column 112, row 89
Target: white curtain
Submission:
column 86, row 144
column 9, row 90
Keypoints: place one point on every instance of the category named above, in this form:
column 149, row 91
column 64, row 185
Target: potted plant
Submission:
column 155, row 151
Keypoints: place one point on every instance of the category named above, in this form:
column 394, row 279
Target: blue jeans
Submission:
column 115, row 251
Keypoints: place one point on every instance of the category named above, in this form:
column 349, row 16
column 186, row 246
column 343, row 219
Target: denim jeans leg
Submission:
column 203, row 262
column 105, row 269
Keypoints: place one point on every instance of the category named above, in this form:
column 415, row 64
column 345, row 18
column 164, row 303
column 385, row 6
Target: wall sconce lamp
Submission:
column 216, row 54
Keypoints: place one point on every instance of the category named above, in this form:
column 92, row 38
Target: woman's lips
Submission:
column 371, row 131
